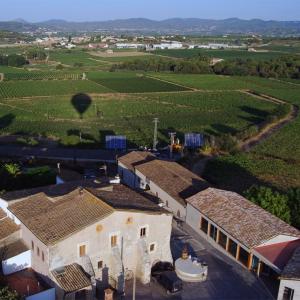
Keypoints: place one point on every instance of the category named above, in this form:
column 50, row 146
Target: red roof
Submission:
column 26, row 283
column 279, row 254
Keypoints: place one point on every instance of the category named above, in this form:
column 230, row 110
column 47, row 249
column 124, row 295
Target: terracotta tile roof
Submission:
column 53, row 190
column 280, row 253
column 248, row 223
column 2, row 214
column 53, row 219
column 7, row 227
column 13, row 249
column 71, row 278
column 121, row 197
column 134, row 158
column 292, row 269
column 175, row 180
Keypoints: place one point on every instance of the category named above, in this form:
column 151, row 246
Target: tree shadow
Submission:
column 81, row 102
column 220, row 129
column 84, row 136
column 228, row 175
column 6, row 120
column 254, row 111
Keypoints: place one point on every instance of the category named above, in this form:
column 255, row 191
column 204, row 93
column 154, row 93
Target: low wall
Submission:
column 45, row 295
column 17, row 263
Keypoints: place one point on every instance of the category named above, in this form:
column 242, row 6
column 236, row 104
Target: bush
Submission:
column 272, row 201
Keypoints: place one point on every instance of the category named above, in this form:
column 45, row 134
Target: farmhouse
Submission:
column 167, row 180
column 82, row 239
column 254, row 237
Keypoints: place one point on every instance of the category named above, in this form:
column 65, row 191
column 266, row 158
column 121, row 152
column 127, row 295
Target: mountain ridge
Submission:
column 168, row 26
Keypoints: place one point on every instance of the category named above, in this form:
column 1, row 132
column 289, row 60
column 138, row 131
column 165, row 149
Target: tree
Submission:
column 15, row 60
column 6, row 294
column 294, row 204
column 272, row 201
column 12, row 169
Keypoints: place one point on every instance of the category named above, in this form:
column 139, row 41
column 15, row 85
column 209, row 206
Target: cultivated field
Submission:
column 14, row 89
column 125, row 82
column 132, row 115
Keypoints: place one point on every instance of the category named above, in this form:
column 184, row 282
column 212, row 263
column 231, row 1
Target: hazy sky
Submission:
column 89, row 10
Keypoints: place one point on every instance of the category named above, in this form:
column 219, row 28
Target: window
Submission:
column 167, row 203
column 100, row 264
column 43, row 256
column 152, row 247
column 178, row 213
column 38, row 251
column 222, row 239
column 143, row 232
column 288, row 294
column 232, row 248
column 32, row 245
column 82, row 250
column 204, row 225
column 244, row 257
column 113, row 240
column 213, row 232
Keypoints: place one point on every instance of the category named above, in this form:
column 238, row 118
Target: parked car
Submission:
column 165, row 275
column 170, row 281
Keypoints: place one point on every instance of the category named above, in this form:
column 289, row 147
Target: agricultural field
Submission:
column 132, row 115
column 224, row 54
column 128, row 82
column 42, row 76
column 75, row 57
column 14, row 89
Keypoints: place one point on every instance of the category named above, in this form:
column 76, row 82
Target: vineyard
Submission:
column 14, row 89
column 42, row 76
column 132, row 115
column 132, row 83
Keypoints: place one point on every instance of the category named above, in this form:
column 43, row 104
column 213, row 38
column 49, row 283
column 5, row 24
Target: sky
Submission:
column 99, row 10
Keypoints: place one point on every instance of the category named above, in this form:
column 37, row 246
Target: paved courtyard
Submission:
column 227, row 280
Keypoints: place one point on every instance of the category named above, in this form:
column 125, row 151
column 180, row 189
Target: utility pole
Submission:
column 155, row 133
column 172, row 142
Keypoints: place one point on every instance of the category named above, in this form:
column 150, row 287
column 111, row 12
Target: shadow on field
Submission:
column 84, row 136
column 220, row 129
column 6, row 120
column 231, row 176
column 81, row 102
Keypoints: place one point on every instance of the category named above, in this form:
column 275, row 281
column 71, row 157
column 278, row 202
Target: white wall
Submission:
column 173, row 205
column 279, row 239
column 17, row 263
column 4, row 205
column 98, row 242
column 292, row 284
column 45, row 295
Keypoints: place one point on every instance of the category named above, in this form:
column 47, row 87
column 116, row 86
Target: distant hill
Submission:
column 169, row 26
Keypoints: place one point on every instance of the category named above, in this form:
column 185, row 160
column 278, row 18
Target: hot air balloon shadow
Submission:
column 81, row 102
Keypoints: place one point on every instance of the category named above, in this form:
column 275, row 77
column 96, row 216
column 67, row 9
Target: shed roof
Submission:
column 13, row 249
column 7, row 227
column 134, row 158
column 243, row 220
column 174, row 179
column 292, row 269
column 71, row 278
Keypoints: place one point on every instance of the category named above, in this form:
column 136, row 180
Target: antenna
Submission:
column 155, row 133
